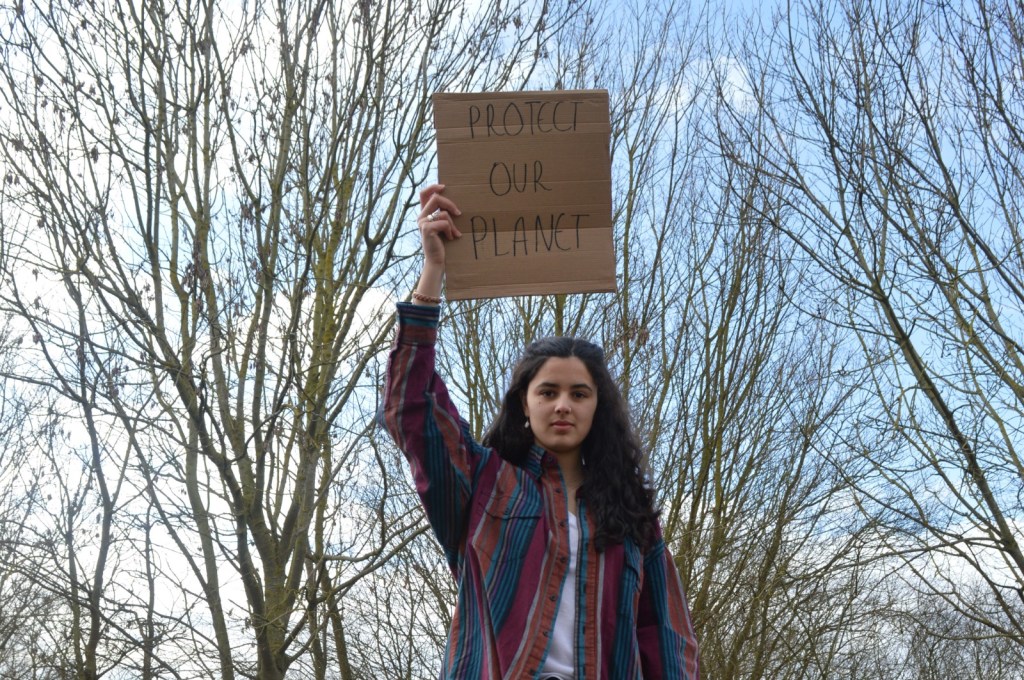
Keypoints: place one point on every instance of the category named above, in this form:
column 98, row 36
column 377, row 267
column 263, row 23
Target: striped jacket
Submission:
column 504, row 532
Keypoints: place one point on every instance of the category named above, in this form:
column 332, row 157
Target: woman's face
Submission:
column 559, row 403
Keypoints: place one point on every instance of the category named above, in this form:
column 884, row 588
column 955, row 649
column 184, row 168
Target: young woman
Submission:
column 547, row 524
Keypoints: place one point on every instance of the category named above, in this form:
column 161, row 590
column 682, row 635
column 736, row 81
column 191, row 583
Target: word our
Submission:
column 507, row 177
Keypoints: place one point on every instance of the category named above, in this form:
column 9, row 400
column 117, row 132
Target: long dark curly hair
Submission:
column 613, row 477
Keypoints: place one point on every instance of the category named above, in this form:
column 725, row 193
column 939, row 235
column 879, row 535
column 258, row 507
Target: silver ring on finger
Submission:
column 432, row 217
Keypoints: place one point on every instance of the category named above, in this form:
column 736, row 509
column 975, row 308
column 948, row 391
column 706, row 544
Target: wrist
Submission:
column 425, row 299
column 428, row 289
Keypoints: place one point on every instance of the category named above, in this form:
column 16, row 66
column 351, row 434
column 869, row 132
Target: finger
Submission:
column 445, row 204
column 432, row 213
column 432, row 227
column 441, row 226
column 434, row 216
column 451, row 231
column 438, row 204
column 428, row 192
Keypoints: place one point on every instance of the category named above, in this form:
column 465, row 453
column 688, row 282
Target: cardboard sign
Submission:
column 531, row 172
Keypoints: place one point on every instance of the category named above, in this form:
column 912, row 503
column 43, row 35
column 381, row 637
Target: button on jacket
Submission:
column 505, row 534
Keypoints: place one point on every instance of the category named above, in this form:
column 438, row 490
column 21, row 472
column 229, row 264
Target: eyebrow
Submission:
column 574, row 387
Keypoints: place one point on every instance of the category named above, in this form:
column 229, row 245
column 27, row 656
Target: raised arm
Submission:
column 418, row 412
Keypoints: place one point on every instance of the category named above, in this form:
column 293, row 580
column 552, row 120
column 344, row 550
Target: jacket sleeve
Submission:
column 668, row 644
column 420, row 417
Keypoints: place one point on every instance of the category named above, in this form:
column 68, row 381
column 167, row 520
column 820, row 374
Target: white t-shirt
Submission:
column 560, row 662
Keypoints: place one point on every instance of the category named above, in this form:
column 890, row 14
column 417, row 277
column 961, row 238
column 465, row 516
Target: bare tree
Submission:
column 203, row 225
column 891, row 134
column 205, row 204
column 27, row 608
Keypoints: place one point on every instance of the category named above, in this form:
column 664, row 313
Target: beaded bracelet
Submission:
column 416, row 295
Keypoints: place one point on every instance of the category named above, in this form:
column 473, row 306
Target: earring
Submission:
column 527, row 424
